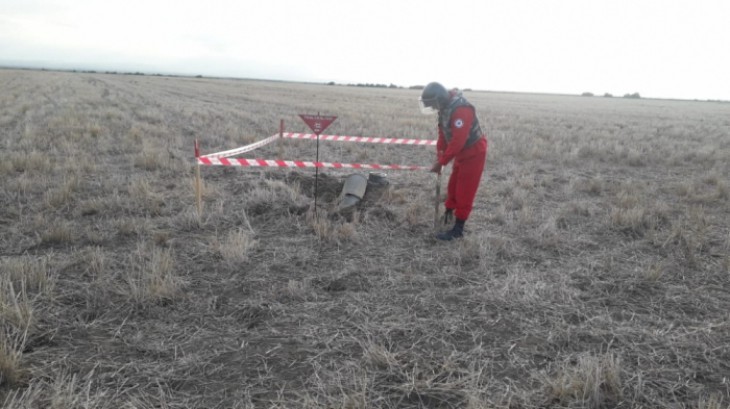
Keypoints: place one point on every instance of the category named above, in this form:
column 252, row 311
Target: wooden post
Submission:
column 281, row 141
column 198, row 182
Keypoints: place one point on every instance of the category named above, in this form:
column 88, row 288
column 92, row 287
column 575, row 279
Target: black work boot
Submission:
column 456, row 232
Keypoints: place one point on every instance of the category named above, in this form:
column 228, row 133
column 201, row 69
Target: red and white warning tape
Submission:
column 401, row 141
column 337, row 138
column 242, row 149
column 211, row 161
column 223, row 158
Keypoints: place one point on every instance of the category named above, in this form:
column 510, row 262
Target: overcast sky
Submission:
column 659, row 48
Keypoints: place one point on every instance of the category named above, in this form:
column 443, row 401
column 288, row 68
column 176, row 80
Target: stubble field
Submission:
column 595, row 272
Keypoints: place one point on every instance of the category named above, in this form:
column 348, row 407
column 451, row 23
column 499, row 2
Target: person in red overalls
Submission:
column 460, row 139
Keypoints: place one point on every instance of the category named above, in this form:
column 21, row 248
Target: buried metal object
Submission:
column 378, row 179
column 355, row 187
column 353, row 191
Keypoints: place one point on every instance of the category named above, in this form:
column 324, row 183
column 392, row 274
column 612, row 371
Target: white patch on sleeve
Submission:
column 459, row 123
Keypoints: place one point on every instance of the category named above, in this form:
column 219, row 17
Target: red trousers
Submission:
column 465, row 177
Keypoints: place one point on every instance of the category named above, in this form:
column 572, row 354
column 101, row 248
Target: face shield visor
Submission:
column 428, row 106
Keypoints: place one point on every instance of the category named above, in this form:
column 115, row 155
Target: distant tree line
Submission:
column 635, row 95
column 423, row 86
column 369, row 85
column 118, row 73
column 373, row 85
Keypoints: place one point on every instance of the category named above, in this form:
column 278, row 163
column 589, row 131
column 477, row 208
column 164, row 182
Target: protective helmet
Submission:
column 433, row 97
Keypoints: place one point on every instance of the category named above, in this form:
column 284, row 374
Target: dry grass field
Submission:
column 595, row 272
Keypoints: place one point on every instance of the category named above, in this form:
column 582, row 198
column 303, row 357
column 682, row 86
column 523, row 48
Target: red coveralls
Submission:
column 468, row 162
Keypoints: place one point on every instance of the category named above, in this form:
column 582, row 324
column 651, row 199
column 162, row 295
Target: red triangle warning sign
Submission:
column 318, row 123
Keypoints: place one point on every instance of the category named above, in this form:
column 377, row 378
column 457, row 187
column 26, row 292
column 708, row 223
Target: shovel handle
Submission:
column 437, row 201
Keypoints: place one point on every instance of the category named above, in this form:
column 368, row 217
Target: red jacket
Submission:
column 460, row 122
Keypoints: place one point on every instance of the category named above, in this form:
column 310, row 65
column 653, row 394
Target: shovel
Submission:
column 436, row 203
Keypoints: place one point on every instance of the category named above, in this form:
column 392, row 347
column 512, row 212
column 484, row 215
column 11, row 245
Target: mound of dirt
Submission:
column 327, row 187
column 329, row 190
